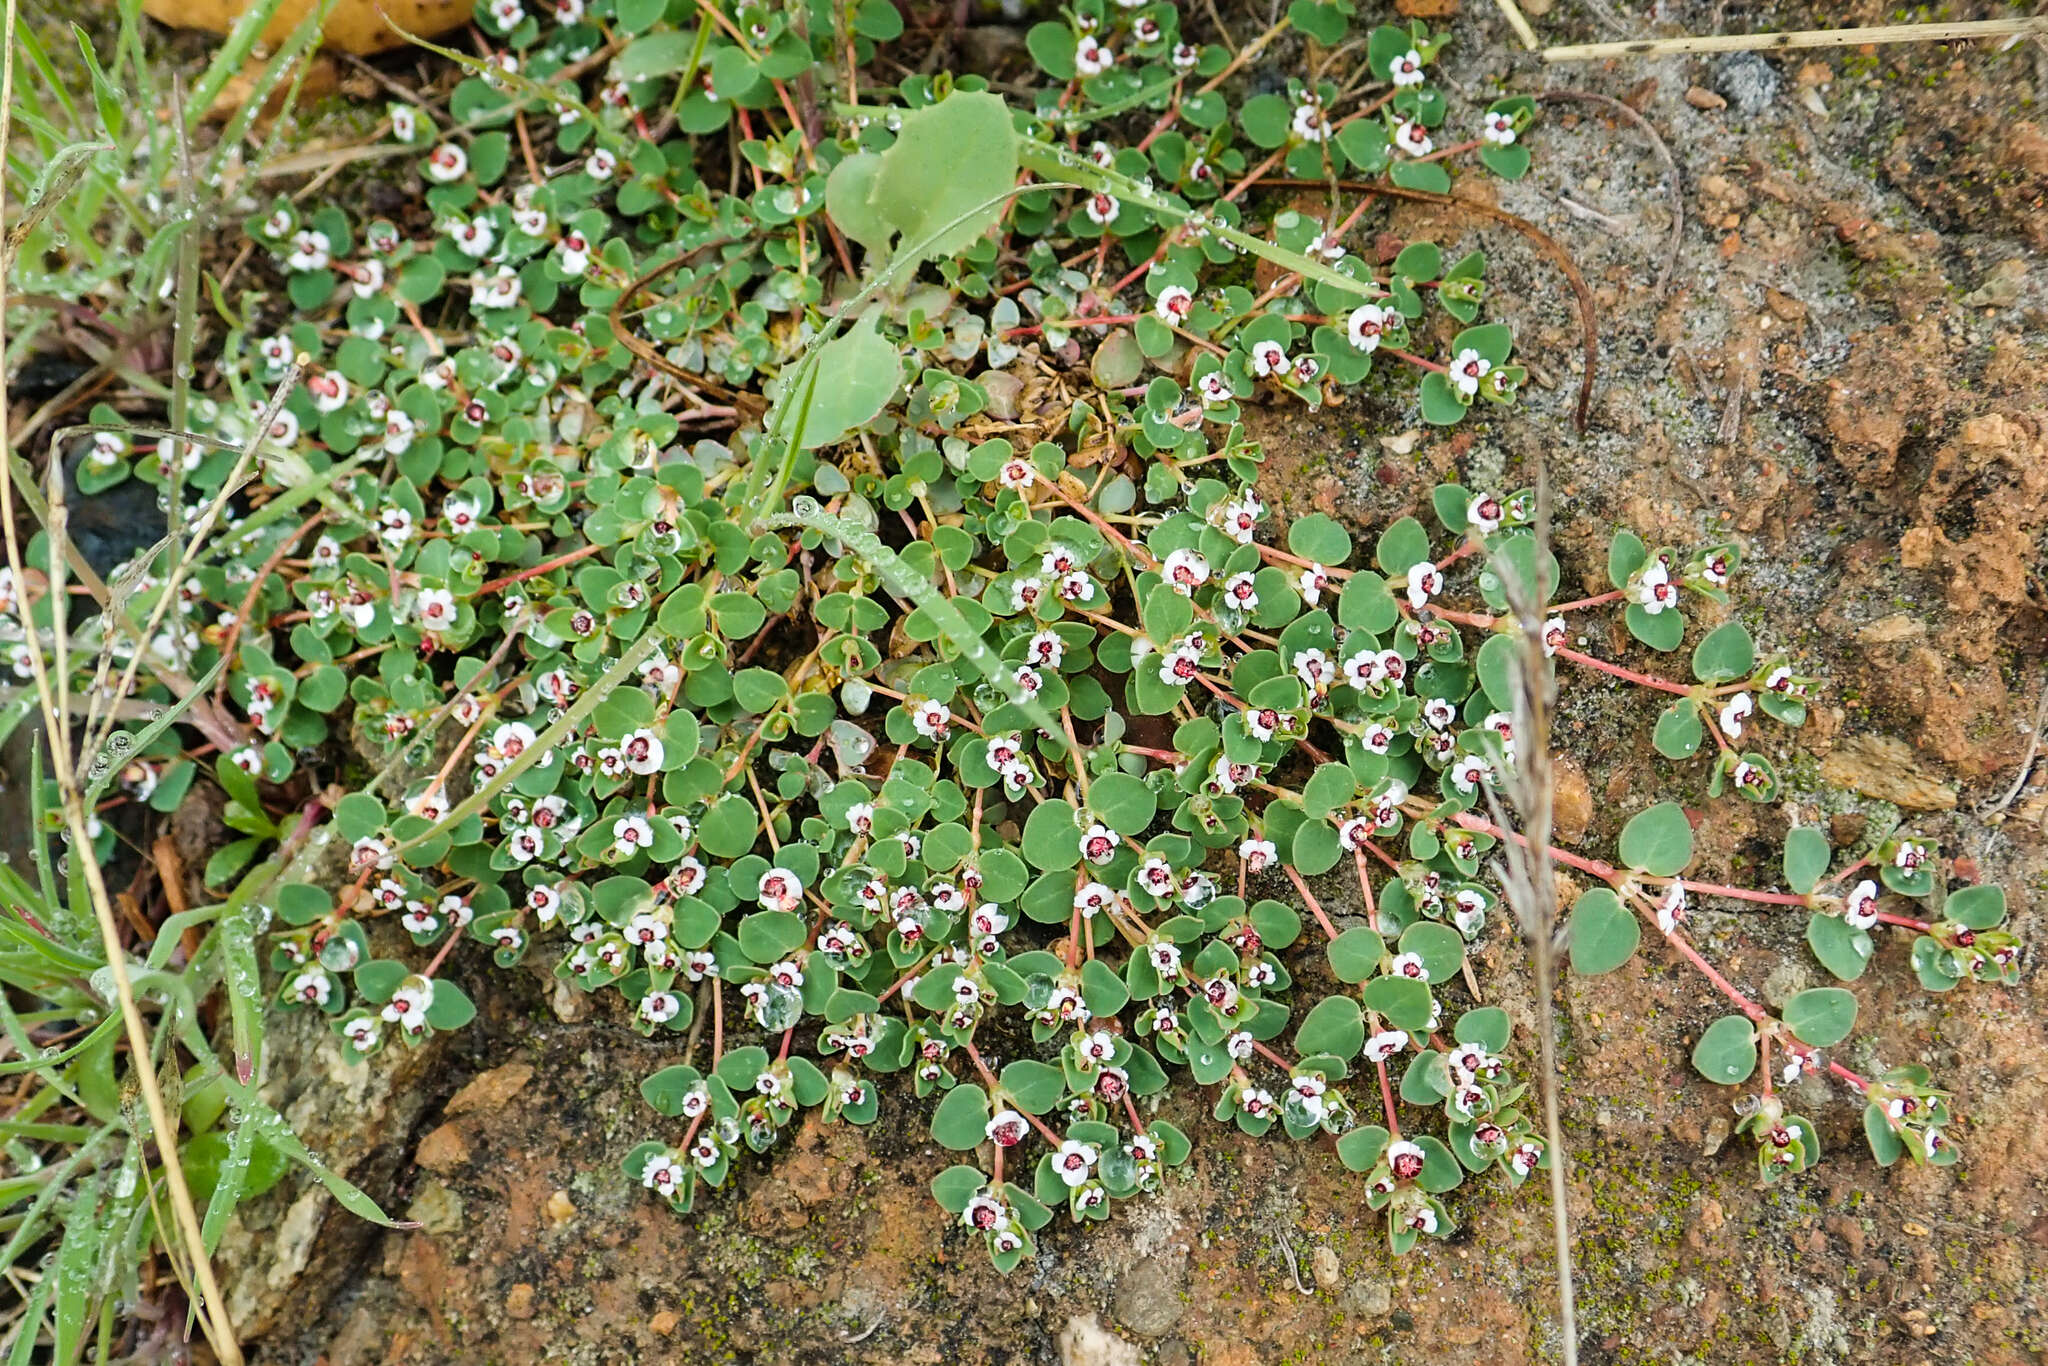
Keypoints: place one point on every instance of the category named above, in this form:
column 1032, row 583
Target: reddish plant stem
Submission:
column 1372, row 910
column 582, row 553
column 1413, row 359
column 1315, row 908
column 1646, row 680
column 1599, row 599
column 1270, row 1056
column 1738, row 893
column 1131, row 1109
column 1387, row 1102
column 1605, row 872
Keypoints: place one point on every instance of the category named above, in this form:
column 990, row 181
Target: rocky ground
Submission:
column 1844, row 372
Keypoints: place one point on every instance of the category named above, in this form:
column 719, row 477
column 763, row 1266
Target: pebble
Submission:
column 519, row 1301
column 1148, row 1298
column 1701, row 98
column 664, row 1323
column 560, row 1209
column 443, row 1150
column 1326, row 1267
column 1370, row 1298
column 491, row 1090
column 1717, row 1134
column 1085, row 1342
column 1746, row 81
column 436, row 1208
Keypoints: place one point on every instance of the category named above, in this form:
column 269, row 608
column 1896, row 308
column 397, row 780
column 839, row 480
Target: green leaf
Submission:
column 961, row 1121
column 1980, row 908
column 1806, row 857
column 853, row 376
column 955, row 1186
column 1662, row 631
column 1355, row 954
column 1727, row 652
column 1335, row 1027
column 1321, row 539
column 1657, row 841
column 1885, row 1144
column 1626, row 553
column 1051, row 839
column 1603, row 932
column 1360, row 1149
column 1403, row 544
column 1035, row 1086
column 935, row 185
column 1404, row 1001
column 1679, row 732
column 1821, row 1016
column 1102, row 990
column 1442, row 404
column 1842, row 949
column 1123, row 803
column 1488, row 1026
column 1726, row 1053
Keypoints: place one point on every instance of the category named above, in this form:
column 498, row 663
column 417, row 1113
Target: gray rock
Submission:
column 1148, row 1299
column 1369, row 1297
column 1746, row 81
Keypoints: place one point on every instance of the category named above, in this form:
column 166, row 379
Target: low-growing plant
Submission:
column 950, row 717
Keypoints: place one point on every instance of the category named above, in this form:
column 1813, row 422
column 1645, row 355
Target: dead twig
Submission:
column 1820, row 37
column 2019, row 779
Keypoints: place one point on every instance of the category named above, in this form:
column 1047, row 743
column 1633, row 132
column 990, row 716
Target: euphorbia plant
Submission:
column 714, row 635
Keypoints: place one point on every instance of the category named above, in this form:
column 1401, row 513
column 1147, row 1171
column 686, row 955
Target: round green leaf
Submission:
column 1821, row 1016
column 1679, row 732
column 1806, row 857
column 1355, row 954
column 1603, row 932
column 1726, row 1053
column 1727, row 652
column 1334, row 1027
column 1658, row 841
column 961, row 1121
column 1841, row 948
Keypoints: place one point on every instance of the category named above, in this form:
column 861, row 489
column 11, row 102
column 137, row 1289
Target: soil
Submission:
column 1845, row 375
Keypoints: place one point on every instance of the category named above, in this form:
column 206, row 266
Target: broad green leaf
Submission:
column 1658, row 841
column 1726, row 652
column 1603, row 932
column 1841, row 948
column 1821, row 1016
column 1726, row 1053
column 1806, row 857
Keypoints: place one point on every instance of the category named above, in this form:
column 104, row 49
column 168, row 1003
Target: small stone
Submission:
column 1324, row 1263
column 1370, row 1298
column 1699, row 97
column 1746, row 81
column 1426, row 9
column 1886, row 768
column 436, row 1209
column 1148, row 1298
column 1785, row 981
column 2001, row 285
column 1004, row 390
column 560, row 1209
column 1085, row 1342
column 664, row 1323
column 491, row 1090
column 1717, row 1134
column 1173, row 1352
column 1712, row 1216
column 1914, row 1230
column 569, row 1004
column 1572, row 803
column 1892, row 629
column 443, row 1150
column 519, row 1301
column 1845, row 828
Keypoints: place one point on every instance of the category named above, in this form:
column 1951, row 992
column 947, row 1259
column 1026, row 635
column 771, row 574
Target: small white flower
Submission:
column 1092, row 58
column 1732, row 713
column 1075, row 1161
column 1425, row 581
column 1165, row 959
column 449, row 162
column 1654, row 590
column 932, row 719
column 1098, row 844
column 631, row 835
column 1468, row 367
column 1270, row 358
column 1412, row 138
column 1214, row 388
column 1368, row 322
column 498, row 290
column 1315, row 671
column 662, row 1173
column 436, row 609
column 1469, row 772
column 1103, row 209
column 1498, row 129
column 1172, row 305
column 1241, row 591
column 600, row 165
column 1313, row 581
column 394, row 526
column 659, row 1007
column 1406, row 69
column 1185, row 55
column 1484, row 514
column 1860, row 909
column 1554, row 634
column 1258, row 855
column 1671, row 910
column 312, row 986
column 1186, row 570
column 309, row 250
column 643, row 752
column 1310, row 123
column 781, row 890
